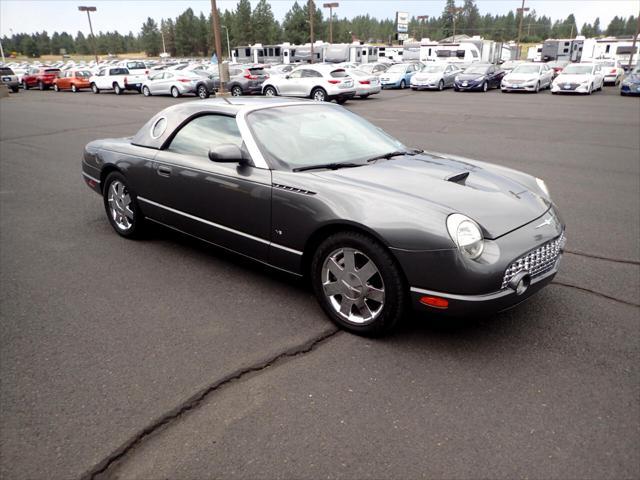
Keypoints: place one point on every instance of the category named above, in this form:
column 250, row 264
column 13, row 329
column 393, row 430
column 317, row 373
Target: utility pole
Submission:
column 454, row 11
column 93, row 37
column 228, row 44
column 331, row 6
column 311, row 6
column 164, row 48
column 215, row 20
column 422, row 18
column 521, row 11
column 633, row 45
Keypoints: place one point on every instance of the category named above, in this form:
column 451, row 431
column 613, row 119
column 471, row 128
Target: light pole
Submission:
column 215, row 20
column 521, row 11
column 454, row 11
column 422, row 18
column 228, row 44
column 93, row 37
column 331, row 6
column 312, row 6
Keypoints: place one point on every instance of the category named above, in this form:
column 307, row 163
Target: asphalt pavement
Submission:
column 168, row 358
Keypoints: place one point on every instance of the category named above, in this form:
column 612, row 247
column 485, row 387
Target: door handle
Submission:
column 164, row 171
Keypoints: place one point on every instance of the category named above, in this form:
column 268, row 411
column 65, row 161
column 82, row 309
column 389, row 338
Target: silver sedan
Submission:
column 177, row 83
column 438, row 76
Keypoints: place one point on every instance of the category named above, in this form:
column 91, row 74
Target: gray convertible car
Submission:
column 315, row 190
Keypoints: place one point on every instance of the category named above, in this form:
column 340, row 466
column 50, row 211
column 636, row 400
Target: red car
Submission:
column 42, row 77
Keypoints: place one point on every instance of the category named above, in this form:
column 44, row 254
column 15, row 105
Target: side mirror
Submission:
column 226, row 153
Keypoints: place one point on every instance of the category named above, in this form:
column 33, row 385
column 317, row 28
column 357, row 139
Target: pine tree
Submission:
column 242, row 23
column 295, row 27
column 150, row 39
column 265, row 27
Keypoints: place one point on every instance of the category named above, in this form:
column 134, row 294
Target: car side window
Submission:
column 201, row 133
column 295, row 74
column 311, row 74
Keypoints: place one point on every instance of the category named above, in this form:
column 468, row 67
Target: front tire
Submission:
column 56, row 88
column 40, row 86
column 358, row 284
column 15, row 89
column 121, row 206
column 270, row 92
column 537, row 87
column 25, row 85
column 319, row 95
column 236, row 91
column 403, row 84
column 202, row 92
column 146, row 92
column 485, row 86
column 441, row 85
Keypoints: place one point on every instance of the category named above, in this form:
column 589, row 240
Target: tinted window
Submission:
column 201, row 133
column 118, row 71
column 310, row 74
column 338, row 74
column 136, row 65
column 6, row 71
column 83, row 74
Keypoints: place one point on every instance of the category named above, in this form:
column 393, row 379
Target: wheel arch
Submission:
column 326, row 230
column 104, row 173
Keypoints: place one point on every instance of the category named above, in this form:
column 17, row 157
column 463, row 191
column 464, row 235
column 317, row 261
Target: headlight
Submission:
column 543, row 186
column 466, row 234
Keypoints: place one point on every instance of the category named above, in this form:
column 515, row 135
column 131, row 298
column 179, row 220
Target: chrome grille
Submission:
column 537, row 261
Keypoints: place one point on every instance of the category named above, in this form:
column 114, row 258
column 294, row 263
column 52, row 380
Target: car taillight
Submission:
column 614, row 71
column 251, row 77
column 334, row 82
column 365, row 82
column 184, row 80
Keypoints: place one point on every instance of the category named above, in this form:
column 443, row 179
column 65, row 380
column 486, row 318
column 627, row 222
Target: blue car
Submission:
column 399, row 75
column 631, row 83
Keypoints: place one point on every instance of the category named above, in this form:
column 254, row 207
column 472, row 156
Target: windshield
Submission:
column 304, row 135
column 479, row 69
column 399, row 68
column 366, row 68
column 136, row 66
column 433, row 68
column 578, row 69
column 527, row 69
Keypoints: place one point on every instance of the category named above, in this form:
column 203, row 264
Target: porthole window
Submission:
column 159, row 127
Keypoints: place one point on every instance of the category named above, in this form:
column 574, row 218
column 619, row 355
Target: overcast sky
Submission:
column 128, row 15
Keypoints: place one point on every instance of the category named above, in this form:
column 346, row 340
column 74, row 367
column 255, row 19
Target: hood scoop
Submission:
column 459, row 178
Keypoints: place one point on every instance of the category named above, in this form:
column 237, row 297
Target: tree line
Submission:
column 191, row 35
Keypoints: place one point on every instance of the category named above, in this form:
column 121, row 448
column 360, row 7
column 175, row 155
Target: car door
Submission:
column 448, row 76
column 167, row 81
column 226, row 203
column 547, row 74
column 310, row 79
column 599, row 76
column 289, row 85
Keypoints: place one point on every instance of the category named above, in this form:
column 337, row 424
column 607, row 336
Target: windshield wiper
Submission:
column 389, row 155
column 329, row 166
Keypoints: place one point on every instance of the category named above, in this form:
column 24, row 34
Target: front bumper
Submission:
column 490, row 303
column 425, row 84
column 630, row 89
column 569, row 88
column 390, row 83
column 463, row 86
column 518, row 87
column 342, row 95
column 11, row 82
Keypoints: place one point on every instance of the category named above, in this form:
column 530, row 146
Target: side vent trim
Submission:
column 293, row 189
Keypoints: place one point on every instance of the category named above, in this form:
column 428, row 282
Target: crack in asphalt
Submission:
column 197, row 399
column 594, row 292
column 599, row 257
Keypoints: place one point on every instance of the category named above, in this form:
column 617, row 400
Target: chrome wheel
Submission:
column 269, row 92
column 146, row 92
column 120, row 205
column 319, row 95
column 353, row 285
column 236, row 91
column 74, row 89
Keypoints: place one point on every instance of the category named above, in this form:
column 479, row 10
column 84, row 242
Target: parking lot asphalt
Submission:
column 167, row 358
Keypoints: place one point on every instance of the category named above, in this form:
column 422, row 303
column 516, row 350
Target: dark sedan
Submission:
column 374, row 225
column 631, row 83
column 479, row 76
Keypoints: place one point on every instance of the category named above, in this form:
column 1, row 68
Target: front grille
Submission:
column 536, row 262
column 572, row 86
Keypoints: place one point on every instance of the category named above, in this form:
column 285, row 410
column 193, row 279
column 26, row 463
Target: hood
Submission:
column 573, row 78
column 388, row 74
column 521, row 77
column 499, row 204
column 427, row 76
column 470, row 76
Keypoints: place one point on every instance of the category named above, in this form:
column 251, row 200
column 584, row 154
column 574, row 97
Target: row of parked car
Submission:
column 325, row 82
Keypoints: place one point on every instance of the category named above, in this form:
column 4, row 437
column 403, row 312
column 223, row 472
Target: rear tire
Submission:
column 485, row 86
column 15, row 89
column 341, row 101
column 175, row 93
column 56, row 88
column 116, row 89
column 236, row 91
column 25, row 85
column 319, row 95
column 121, row 206
column 358, row 284
column 41, row 85
column 94, row 88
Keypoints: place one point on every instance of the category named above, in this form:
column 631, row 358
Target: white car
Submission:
column 435, row 76
column 320, row 82
column 117, row 79
column 178, row 83
column 366, row 83
column 135, row 67
column 612, row 70
column 579, row 78
column 528, row 77
column 375, row 68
